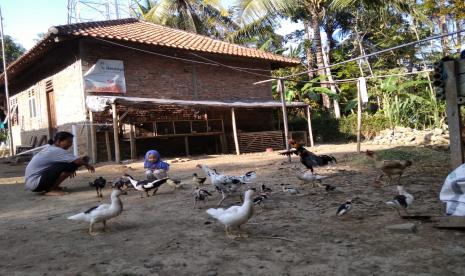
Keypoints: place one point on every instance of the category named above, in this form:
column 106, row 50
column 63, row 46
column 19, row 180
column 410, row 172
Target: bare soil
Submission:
column 289, row 235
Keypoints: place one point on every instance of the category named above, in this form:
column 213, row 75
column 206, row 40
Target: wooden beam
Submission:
column 93, row 138
column 283, row 106
column 359, row 118
column 309, row 121
column 115, row 133
column 453, row 114
column 186, row 145
column 107, row 144
column 236, row 141
column 132, row 142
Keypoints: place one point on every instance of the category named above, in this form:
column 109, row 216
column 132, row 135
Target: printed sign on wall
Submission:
column 105, row 76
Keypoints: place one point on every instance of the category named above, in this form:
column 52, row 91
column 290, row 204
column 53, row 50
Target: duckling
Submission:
column 307, row 176
column 235, row 216
column 260, row 199
column 174, row 183
column 99, row 184
column 265, row 189
column 403, row 199
column 344, row 208
column 102, row 212
column 291, row 190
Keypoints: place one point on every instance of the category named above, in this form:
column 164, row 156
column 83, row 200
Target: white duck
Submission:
column 235, row 215
column 102, row 212
column 403, row 199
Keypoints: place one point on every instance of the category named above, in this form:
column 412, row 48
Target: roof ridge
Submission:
column 214, row 39
column 112, row 22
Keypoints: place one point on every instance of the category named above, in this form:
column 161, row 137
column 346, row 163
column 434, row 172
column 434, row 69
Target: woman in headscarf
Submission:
column 154, row 167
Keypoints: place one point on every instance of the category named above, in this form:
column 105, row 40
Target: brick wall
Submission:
column 152, row 76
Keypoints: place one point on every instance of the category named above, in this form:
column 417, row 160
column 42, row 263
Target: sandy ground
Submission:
column 163, row 235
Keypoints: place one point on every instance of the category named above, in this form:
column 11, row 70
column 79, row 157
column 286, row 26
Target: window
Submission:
column 32, row 104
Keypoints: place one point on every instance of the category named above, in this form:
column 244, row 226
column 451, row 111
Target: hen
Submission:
column 308, row 158
column 226, row 184
column 389, row 167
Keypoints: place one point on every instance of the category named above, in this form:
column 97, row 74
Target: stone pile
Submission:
column 436, row 138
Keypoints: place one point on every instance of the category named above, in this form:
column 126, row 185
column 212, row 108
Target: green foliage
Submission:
column 13, row 51
column 371, row 125
column 3, row 135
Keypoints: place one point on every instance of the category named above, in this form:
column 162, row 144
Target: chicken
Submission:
column 389, row 167
column 200, row 195
column 98, row 184
column 311, row 177
column 174, row 183
column 225, row 184
column 308, row 158
column 198, row 181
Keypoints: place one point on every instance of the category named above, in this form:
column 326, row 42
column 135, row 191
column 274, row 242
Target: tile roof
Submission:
column 136, row 31
column 133, row 30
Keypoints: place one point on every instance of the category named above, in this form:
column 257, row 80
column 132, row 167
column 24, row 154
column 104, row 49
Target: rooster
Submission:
column 308, row 158
column 226, row 184
column 389, row 167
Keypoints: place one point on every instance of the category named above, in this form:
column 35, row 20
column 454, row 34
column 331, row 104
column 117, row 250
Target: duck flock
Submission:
column 244, row 186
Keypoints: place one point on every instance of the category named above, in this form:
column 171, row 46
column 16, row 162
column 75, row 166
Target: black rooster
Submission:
column 308, row 158
column 98, row 184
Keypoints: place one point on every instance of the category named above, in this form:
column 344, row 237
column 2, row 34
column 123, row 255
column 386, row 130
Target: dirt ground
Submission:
column 163, row 235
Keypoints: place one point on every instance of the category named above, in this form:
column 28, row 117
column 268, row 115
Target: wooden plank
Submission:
column 236, row 142
column 451, row 222
column 115, row 134
column 453, row 115
column 93, row 138
column 132, row 142
column 309, row 121
column 283, row 106
column 107, row 144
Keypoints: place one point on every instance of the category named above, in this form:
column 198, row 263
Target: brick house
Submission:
column 171, row 93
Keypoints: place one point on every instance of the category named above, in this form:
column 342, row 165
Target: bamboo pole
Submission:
column 359, row 118
column 283, row 105
column 115, row 134
column 236, row 142
column 93, row 138
column 309, row 121
column 75, row 141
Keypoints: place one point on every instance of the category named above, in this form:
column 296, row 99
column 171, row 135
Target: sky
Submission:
column 24, row 22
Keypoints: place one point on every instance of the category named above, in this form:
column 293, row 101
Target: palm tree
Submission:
column 207, row 17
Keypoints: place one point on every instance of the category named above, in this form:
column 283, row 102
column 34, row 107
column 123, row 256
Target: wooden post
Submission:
column 115, row 134
column 309, row 121
column 132, row 142
column 186, row 144
column 359, row 118
column 283, row 105
column 107, row 144
column 453, row 115
column 93, row 138
column 236, row 142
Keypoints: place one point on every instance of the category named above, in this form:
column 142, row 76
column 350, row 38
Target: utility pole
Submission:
column 7, row 94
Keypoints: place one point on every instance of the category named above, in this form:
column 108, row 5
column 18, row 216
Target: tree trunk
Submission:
column 443, row 30
column 327, row 60
column 315, row 23
column 308, row 49
column 458, row 27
